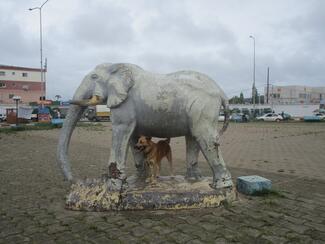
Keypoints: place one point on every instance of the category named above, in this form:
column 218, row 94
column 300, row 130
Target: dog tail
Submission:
column 167, row 140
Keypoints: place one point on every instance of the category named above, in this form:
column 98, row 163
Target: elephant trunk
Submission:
column 70, row 122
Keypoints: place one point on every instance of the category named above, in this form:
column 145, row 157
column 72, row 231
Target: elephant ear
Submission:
column 119, row 84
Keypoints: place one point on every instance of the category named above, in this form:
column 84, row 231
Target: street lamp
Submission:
column 253, row 89
column 41, row 42
column 16, row 99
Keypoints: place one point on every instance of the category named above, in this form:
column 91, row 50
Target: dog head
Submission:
column 142, row 143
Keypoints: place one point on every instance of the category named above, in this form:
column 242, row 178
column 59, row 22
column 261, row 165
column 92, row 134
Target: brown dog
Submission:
column 154, row 153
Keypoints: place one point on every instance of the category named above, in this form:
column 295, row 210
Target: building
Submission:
column 21, row 81
column 295, row 94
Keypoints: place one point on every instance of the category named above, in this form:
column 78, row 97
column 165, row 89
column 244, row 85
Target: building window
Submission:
column 2, row 85
column 13, row 84
column 303, row 95
column 2, row 73
column 13, row 73
column 11, row 96
column 25, row 74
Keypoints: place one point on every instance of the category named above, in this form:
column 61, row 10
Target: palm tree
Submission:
column 57, row 97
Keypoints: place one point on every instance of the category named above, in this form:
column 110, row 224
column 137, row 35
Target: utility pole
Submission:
column 267, row 85
column 41, row 44
column 253, row 88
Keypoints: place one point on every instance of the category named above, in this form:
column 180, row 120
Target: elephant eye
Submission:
column 94, row 76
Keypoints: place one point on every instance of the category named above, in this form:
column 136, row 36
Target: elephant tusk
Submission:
column 80, row 102
column 95, row 100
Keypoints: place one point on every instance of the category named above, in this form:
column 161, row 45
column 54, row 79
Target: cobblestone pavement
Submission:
column 291, row 155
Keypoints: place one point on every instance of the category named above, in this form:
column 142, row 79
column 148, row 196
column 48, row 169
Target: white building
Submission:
column 294, row 94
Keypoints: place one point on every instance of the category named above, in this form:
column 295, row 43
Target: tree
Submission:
column 256, row 96
column 57, row 97
column 241, row 98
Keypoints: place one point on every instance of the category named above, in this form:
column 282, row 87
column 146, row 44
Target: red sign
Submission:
column 44, row 118
column 45, row 102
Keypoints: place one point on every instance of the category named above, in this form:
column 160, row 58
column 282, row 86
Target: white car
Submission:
column 270, row 117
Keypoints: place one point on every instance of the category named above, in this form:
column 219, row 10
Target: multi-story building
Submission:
column 295, row 94
column 21, row 81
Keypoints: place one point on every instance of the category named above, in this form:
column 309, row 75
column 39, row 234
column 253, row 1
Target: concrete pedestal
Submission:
column 253, row 184
column 135, row 194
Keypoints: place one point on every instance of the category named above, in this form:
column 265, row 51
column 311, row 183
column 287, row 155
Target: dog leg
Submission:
column 170, row 160
column 158, row 168
column 152, row 172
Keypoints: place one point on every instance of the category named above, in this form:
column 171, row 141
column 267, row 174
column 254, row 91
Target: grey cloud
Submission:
column 103, row 26
column 165, row 36
column 15, row 48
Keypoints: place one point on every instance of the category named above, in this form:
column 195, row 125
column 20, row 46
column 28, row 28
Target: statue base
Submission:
column 135, row 194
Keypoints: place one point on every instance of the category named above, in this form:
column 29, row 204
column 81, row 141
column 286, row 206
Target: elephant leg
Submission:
column 209, row 145
column 120, row 141
column 139, row 159
column 192, row 154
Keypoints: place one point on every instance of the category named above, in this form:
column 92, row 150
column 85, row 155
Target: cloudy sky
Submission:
column 165, row 36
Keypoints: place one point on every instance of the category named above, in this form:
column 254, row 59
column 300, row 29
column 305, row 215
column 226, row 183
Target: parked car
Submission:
column 270, row 117
column 286, row 116
column 239, row 117
column 221, row 116
column 320, row 115
column 3, row 117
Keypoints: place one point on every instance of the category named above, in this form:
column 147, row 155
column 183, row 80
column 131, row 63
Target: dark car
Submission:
column 286, row 116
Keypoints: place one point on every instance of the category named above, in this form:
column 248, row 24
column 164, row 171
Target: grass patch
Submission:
column 91, row 126
column 268, row 193
column 8, row 130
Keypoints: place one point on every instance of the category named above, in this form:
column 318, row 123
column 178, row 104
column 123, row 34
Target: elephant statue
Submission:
column 184, row 103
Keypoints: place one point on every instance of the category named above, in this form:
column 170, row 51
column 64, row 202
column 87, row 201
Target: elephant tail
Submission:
column 224, row 103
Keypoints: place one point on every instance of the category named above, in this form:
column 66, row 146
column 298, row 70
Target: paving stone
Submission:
column 312, row 218
column 298, row 221
column 294, row 238
column 209, row 227
column 53, row 229
column 189, row 229
column 139, row 231
column 179, row 237
column 150, row 237
column 103, row 240
column 315, row 234
column 163, row 230
column 319, row 227
column 196, row 241
column 16, row 239
column 221, row 240
column 250, row 231
column 148, row 223
column 274, row 239
column 296, row 228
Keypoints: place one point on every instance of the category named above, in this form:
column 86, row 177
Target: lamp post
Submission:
column 41, row 42
column 253, row 89
column 16, row 99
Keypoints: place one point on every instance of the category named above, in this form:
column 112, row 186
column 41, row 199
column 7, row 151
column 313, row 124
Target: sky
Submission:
column 209, row 36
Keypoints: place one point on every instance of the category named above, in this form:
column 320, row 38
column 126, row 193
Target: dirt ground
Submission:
column 292, row 155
